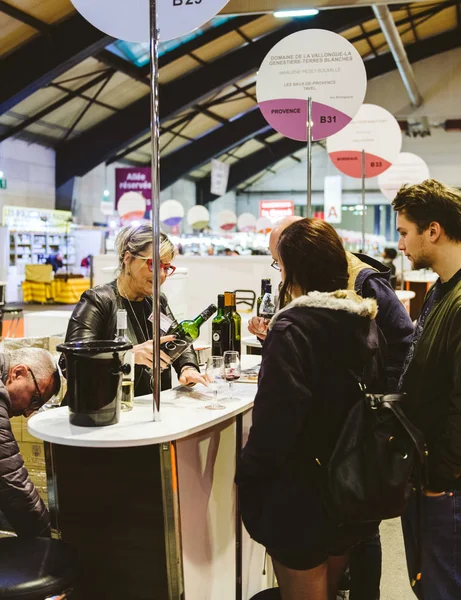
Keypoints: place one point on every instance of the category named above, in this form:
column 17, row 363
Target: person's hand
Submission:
column 258, row 326
column 190, row 376
column 143, row 353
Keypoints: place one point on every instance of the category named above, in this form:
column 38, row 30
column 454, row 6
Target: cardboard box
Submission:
column 33, row 454
column 26, row 436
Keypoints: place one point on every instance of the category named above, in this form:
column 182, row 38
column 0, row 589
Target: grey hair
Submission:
column 40, row 361
column 136, row 239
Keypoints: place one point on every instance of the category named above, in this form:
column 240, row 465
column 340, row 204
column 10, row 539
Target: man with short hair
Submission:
column 29, row 377
column 429, row 224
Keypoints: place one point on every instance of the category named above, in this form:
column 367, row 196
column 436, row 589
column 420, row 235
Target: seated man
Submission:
column 28, row 378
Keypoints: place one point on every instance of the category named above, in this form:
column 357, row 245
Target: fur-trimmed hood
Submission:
column 340, row 321
column 345, row 300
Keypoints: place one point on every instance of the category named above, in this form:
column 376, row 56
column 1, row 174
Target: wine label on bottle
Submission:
column 175, row 348
column 165, row 323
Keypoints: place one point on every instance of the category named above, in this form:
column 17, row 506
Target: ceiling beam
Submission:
column 179, row 163
column 249, row 166
column 80, row 155
column 24, row 17
column 38, row 62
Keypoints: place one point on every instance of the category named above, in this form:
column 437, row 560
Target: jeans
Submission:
column 436, row 551
column 365, row 569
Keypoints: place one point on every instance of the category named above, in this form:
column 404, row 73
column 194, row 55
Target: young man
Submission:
column 370, row 279
column 429, row 224
column 28, row 379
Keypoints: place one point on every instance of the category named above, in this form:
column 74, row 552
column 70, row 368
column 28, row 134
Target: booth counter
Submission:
column 152, row 506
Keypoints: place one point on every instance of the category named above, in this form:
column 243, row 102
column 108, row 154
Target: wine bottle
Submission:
column 127, row 398
column 186, row 332
column 236, row 332
column 266, row 287
column 219, row 330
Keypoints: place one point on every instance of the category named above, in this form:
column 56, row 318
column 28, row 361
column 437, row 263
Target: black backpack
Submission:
column 376, row 461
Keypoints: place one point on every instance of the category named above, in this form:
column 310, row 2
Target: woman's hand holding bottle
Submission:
column 143, row 353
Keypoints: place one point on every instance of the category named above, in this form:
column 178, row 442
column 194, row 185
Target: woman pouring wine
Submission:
column 95, row 316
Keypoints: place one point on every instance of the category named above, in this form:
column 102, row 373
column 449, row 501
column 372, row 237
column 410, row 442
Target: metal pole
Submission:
column 155, row 144
column 363, row 200
column 309, row 157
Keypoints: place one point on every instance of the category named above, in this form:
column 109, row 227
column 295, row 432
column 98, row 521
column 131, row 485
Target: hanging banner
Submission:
column 333, row 199
column 276, row 209
column 313, row 63
column 407, row 169
column 129, row 19
column 219, row 177
column 374, row 130
column 134, row 179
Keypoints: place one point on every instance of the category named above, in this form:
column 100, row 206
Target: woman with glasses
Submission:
column 95, row 316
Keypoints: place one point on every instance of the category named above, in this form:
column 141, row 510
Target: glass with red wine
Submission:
column 232, row 370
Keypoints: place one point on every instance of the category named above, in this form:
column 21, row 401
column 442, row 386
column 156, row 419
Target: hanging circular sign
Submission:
column 227, row 220
column 129, row 19
column 407, row 169
column 374, row 130
column 131, row 206
column 317, row 64
column 171, row 213
column 264, row 225
column 198, row 217
column 246, row 222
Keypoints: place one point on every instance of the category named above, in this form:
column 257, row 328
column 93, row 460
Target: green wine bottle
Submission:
column 219, row 330
column 236, row 339
column 186, row 332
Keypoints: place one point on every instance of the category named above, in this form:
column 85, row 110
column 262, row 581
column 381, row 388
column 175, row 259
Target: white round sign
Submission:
column 129, row 19
column 246, row 222
column 312, row 63
column 198, row 217
column 131, row 206
column 407, row 169
column 374, row 130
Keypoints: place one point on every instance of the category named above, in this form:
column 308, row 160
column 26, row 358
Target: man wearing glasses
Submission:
column 29, row 378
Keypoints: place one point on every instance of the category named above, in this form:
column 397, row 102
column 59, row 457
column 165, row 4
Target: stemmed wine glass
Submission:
column 268, row 306
column 215, row 375
column 231, row 370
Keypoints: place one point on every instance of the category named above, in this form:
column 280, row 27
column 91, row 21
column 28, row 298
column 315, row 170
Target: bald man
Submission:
column 370, row 279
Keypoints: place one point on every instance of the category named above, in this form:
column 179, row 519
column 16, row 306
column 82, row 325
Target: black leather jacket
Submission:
column 95, row 318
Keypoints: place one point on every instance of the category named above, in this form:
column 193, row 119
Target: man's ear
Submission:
column 18, row 371
column 435, row 232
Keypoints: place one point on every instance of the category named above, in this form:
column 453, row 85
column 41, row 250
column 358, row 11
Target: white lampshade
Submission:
column 227, row 220
column 198, row 217
column 171, row 213
column 246, row 222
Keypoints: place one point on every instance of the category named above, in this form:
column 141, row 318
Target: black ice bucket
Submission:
column 94, row 381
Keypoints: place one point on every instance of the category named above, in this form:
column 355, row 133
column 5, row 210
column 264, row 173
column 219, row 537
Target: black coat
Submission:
column 19, row 500
column 95, row 318
column 305, row 390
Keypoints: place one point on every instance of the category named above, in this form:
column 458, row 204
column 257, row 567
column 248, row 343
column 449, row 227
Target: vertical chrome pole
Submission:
column 309, row 157
column 363, row 201
column 155, row 145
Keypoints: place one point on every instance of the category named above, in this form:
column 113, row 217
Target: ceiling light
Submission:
column 303, row 12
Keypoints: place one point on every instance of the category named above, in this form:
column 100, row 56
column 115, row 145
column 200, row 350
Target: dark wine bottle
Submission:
column 227, row 324
column 219, row 330
column 266, row 288
column 236, row 332
column 186, row 332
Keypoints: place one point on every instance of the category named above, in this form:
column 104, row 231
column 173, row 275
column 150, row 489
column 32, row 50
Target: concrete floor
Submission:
column 394, row 583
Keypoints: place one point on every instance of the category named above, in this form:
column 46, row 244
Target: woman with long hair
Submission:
column 306, row 388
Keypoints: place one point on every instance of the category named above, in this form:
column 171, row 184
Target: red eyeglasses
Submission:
column 169, row 269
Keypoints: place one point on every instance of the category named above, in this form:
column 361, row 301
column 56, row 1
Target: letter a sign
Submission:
column 333, row 199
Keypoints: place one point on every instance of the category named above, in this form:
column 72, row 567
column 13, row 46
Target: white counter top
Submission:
column 403, row 295
column 183, row 413
column 422, row 276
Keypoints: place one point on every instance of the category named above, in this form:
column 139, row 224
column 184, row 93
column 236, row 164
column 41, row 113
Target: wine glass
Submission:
column 231, row 370
column 215, row 375
column 268, row 306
